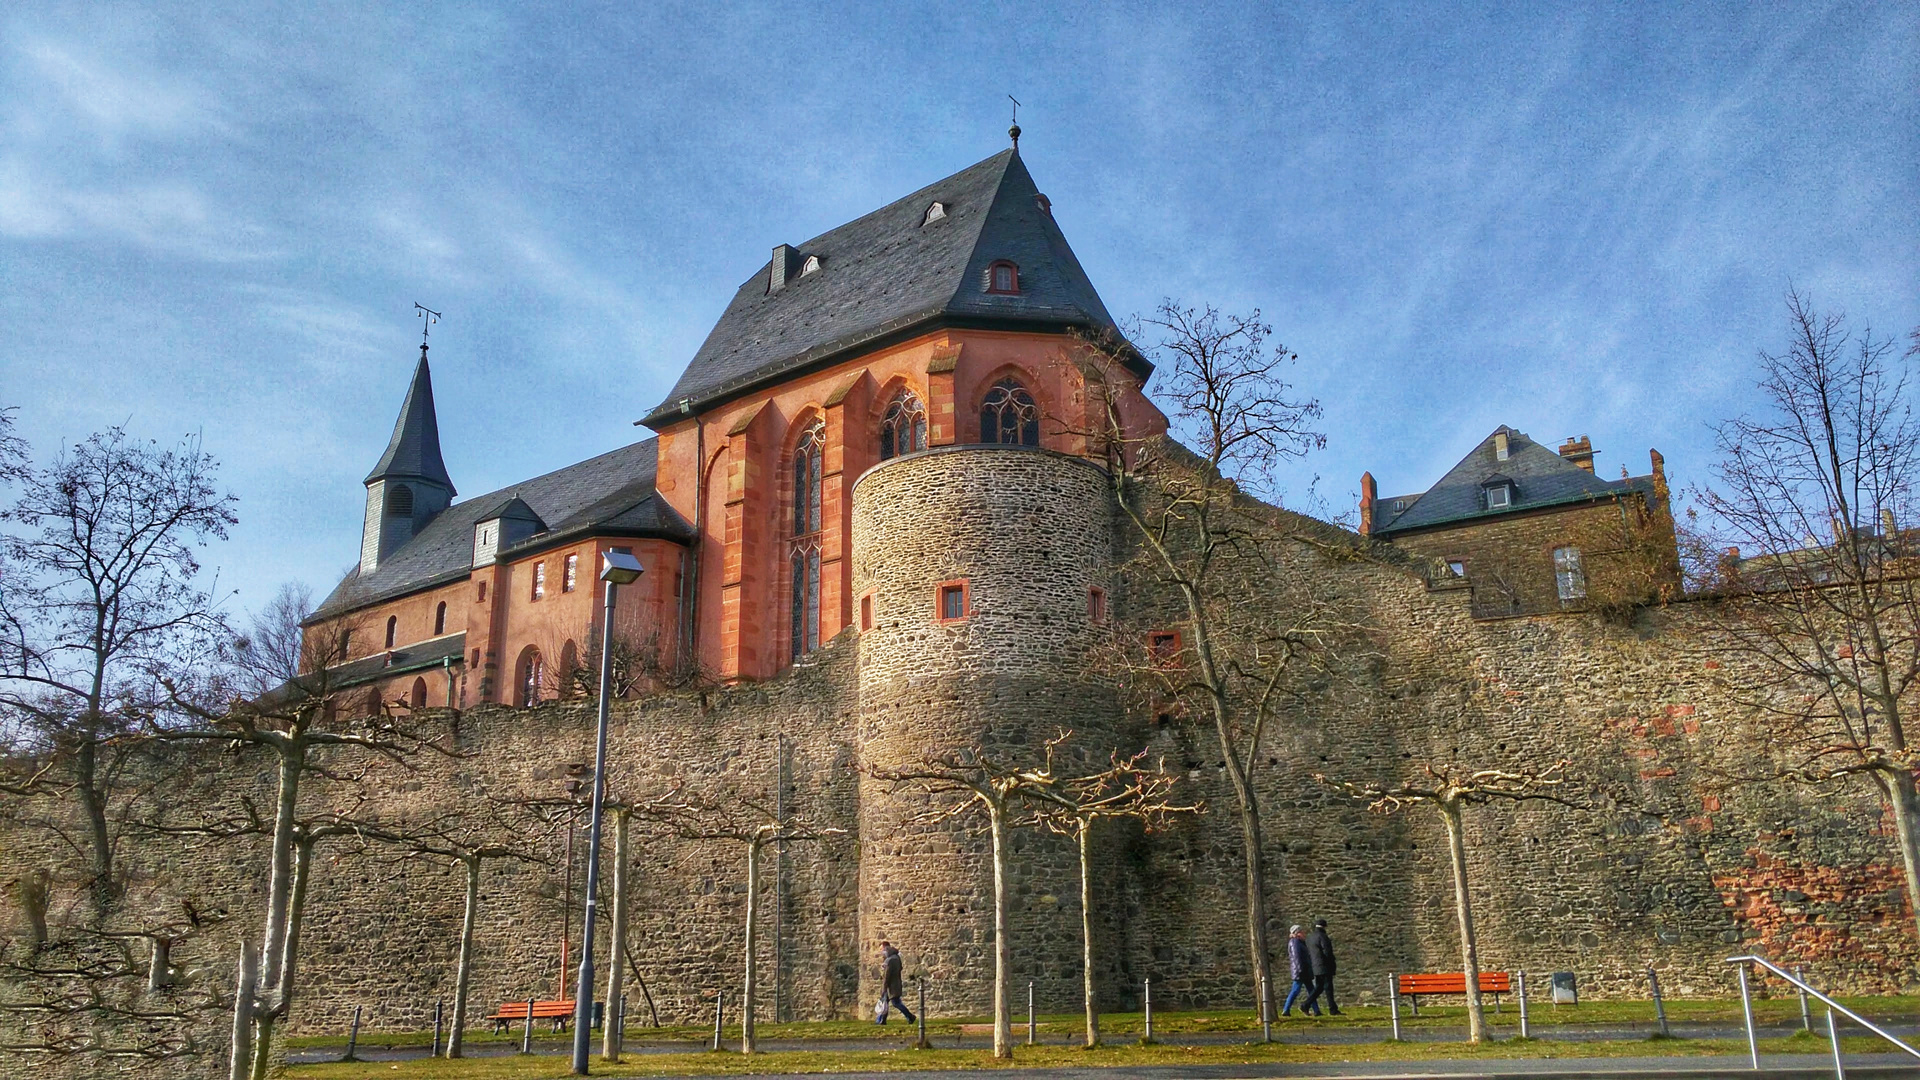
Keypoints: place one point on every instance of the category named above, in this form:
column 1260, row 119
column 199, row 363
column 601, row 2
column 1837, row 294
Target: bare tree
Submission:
column 751, row 823
column 970, row 779
column 457, row 840
column 1244, row 617
column 1819, row 607
column 296, row 725
column 1071, row 806
column 274, row 652
column 1450, row 788
column 102, row 565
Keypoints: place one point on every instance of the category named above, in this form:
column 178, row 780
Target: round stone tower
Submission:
column 1024, row 536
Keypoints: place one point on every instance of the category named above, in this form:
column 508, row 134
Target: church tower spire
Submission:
column 410, row 484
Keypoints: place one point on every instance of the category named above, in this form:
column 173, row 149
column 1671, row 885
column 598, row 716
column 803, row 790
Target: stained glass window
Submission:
column 804, row 555
column 903, row 429
column 1009, row 416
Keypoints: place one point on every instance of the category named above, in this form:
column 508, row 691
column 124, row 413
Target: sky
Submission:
column 1572, row 219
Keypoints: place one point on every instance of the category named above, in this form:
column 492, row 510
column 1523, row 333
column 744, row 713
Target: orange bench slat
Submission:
column 542, row 1010
column 1491, row 982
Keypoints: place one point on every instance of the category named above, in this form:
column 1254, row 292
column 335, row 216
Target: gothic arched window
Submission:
column 532, row 672
column 804, row 541
column 1009, row 416
column 903, row 429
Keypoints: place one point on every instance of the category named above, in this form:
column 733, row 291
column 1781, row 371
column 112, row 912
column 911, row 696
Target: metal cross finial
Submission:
column 1014, row 131
column 431, row 316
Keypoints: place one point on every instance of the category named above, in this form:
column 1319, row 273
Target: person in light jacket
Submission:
column 1320, row 959
column 1301, row 966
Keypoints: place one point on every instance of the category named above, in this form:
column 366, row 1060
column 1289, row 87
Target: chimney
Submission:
column 1369, row 494
column 1886, row 524
column 782, row 264
column 1500, row 449
column 1578, row 451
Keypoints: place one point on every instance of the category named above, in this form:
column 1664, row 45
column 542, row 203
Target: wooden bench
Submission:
column 560, row 1012
column 1412, row 987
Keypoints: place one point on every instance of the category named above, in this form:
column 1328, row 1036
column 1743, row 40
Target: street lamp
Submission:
column 617, row 568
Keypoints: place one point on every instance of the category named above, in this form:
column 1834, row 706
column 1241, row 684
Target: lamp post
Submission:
column 617, row 568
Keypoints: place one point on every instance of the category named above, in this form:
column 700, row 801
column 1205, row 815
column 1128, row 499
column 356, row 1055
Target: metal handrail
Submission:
column 1831, row 1004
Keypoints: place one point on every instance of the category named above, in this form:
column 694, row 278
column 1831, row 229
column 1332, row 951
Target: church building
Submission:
column 947, row 317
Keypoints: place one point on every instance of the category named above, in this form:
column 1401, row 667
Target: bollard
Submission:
column 1659, row 1005
column 526, row 1036
column 353, row 1035
column 1393, row 1004
column 921, row 1018
column 1833, row 1036
column 1266, row 1012
column 1525, row 1031
column 1030, row 1028
column 1746, row 1009
column 1148, row 1037
column 719, row 1009
column 438, row 1006
column 1806, row 1015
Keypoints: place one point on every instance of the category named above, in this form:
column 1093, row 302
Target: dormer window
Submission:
column 1497, row 492
column 934, row 213
column 811, row 264
column 1003, row 278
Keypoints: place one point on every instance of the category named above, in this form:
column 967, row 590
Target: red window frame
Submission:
column 993, row 273
column 1163, row 647
column 945, row 589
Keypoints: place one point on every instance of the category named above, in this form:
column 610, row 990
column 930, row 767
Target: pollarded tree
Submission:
column 1246, row 621
column 1449, row 789
column 103, row 588
column 1073, row 805
column 1819, row 597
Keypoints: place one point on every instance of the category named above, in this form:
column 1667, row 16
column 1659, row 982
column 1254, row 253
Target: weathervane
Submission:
column 431, row 316
column 1014, row 131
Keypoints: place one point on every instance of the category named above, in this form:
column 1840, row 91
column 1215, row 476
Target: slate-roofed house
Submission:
column 1531, row 529
column 943, row 318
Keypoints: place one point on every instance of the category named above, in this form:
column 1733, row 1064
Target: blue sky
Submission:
column 1572, row 221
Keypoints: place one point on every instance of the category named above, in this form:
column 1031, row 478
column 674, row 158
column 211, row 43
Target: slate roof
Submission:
column 1540, row 477
column 612, row 493
column 414, row 450
column 887, row 273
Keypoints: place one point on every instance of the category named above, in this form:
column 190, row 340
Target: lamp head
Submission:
column 620, row 568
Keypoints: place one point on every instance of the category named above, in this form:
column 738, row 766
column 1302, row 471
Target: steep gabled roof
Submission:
column 612, row 494
column 1540, row 477
column 414, row 450
column 892, row 272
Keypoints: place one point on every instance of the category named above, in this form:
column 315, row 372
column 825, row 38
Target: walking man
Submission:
column 1320, row 961
column 891, row 985
column 1301, row 967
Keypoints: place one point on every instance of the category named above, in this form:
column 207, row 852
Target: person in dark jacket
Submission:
column 1301, row 968
column 891, row 985
column 1320, row 960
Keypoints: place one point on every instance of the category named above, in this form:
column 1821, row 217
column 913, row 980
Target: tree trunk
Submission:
column 1086, row 931
column 1906, row 806
column 240, row 1064
column 1002, row 956
column 753, row 905
column 1463, row 906
column 1253, row 848
column 463, row 975
column 280, row 876
column 93, row 802
column 612, row 1036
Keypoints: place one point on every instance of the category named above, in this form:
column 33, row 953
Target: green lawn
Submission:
column 814, row 1061
column 1129, row 1026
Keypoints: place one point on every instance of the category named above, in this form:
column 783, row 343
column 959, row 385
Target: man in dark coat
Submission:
column 891, row 985
column 1320, row 958
column 1301, row 967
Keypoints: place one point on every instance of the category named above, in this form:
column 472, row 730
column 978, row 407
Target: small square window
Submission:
column 866, row 612
column 1097, row 605
column 539, row 580
column 1163, row 647
column 1458, row 566
column 950, row 601
column 1498, row 497
column 570, row 576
